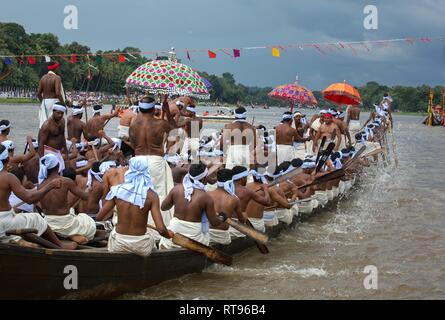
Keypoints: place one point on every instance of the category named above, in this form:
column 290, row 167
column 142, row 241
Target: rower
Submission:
column 11, row 221
column 126, row 118
column 225, row 200
column 95, row 189
column 245, row 195
column 75, row 126
column 338, row 118
column 50, row 92
column 287, row 139
column 5, row 130
column 238, row 140
column 194, row 208
column 192, row 128
column 148, row 137
column 325, row 130
column 18, row 160
column 79, row 228
column 134, row 199
column 97, row 122
column 52, row 136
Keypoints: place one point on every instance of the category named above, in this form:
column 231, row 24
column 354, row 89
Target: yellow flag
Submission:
column 275, row 52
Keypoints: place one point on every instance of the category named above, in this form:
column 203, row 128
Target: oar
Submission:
column 192, row 245
column 355, row 156
column 95, row 153
column 30, row 235
column 291, row 203
column 247, row 230
column 261, row 247
column 323, row 141
column 336, row 174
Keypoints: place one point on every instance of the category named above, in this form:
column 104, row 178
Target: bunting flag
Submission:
column 7, row 61
column 236, row 53
column 73, row 58
column 275, row 52
column 20, row 60
column 47, row 59
column 121, row 58
column 212, row 55
column 31, row 60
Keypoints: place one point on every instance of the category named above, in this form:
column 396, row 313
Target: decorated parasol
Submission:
column 342, row 93
column 207, row 83
column 294, row 93
column 168, row 77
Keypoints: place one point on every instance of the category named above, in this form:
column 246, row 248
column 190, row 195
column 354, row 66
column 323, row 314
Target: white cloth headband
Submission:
column 158, row 107
column 58, row 107
column 308, row 165
column 241, row 115
column 3, row 156
column 105, row 166
column 190, row 183
column 146, row 106
column 191, row 109
column 228, row 186
column 3, row 127
column 77, row 111
column 47, row 162
column 287, row 117
column 81, row 163
column 240, row 175
column 96, row 175
column 9, row 145
column 258, row 175
column 179, row 103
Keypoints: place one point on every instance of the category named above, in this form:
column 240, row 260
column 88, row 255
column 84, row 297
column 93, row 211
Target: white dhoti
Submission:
column 285, row 152
column 141, row 245
column 299, row 150
column 57, row 153
column 10, row 221
column 235, row 233
column 284, row 215
column 192, row 230
column 322, row 197
column 238, row 155
column 258, row 224
column 305, row 207
column 270, row 218
column 71, row 224
column 191, row 144
column 162, row 178
column 354, row 127
column 123, row 131
column 45, row 110
column 219, row 236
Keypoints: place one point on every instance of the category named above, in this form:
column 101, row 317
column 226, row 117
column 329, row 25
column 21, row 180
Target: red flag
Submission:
column 188, row 56
column 121, row 58
column 73, row 58
column 212, row 55
column 20, row 60
column 236, row 53
column 31, row 60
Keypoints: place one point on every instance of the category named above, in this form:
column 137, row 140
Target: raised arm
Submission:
column 166, row 110
column 25, row 157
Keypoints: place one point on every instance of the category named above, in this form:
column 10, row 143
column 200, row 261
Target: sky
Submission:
column 157, row 25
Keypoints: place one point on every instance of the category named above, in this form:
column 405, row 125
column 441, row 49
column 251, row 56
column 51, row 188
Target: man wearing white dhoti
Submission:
column 192, row 128
column 194, row 208
column 49, row 92
column 135, row 199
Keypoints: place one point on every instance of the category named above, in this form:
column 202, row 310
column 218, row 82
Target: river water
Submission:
column 393, row 219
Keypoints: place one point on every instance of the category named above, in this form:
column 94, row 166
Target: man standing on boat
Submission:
column 135, row 198
column 194, row 208
column 49, row 92
column 97, row 122
column 353, row 120
column 192, row 128
column 52, row 135
column 75, row 126
column 239, row 141
column 325, row 130
column 148, row 137
column 287, row 137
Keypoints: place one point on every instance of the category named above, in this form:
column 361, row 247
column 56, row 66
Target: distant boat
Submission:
column 223, row 114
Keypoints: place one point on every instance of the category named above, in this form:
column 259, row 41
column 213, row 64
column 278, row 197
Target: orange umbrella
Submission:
column 342, row 93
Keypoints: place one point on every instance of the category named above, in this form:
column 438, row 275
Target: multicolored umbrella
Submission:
column 342, row 93
column 168, row 77
column 294, row 93
column 207, row 83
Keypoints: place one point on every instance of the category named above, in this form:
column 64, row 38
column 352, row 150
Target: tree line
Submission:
column 108, row 75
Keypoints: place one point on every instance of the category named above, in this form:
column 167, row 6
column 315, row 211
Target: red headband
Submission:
column 53, row 66
column 328, row 115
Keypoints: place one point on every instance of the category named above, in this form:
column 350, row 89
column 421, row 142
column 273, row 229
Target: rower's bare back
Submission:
column 354, row 113
column 55, row 202
column 285, row 134
column 253, row 208
column 48, row 84
column 246, row 130
column 185, row 210
column 126, row 117
column 224, row 202
column 149, row 136
column 131, row 219
column 94, row 125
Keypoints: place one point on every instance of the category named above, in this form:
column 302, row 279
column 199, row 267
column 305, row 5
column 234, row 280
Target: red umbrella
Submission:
column 342, row 93
column 293, row 92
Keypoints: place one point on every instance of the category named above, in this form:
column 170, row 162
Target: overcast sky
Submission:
column 209, row 24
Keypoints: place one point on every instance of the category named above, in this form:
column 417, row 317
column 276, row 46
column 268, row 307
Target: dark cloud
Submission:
column 158, row 25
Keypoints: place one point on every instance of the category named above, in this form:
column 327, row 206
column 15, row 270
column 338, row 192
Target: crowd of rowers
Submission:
column 115, row 187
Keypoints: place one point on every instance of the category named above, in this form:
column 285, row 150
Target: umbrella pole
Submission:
column 291, row 106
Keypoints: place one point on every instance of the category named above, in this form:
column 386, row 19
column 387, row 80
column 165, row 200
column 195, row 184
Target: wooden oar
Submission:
column 326, row 153
column 30, row 236
column 323, row 141
column 261, row 247
column 290, row 203
column 354, row 157
column 95, row 153
column 248, row 231
column 192, row 245
column 336, row 174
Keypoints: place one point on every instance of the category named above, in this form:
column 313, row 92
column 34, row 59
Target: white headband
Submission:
column 308, row 165
column 146, row 106
column 3, row 127
column 47, row 162
column 258, row 175
column 228, row 186
column 3, row 156
column 158, row 106
column 96, row 175
column 240, row 175
column 179, row 103
column 287, row 116
column 191, row 109
column 77, row 111
column 81, row 163
column 58, row 107
column 9, row 145
column 241, row 115
column 107, row 165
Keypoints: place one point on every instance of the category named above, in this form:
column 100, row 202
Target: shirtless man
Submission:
column 286, row 138
column 192, row 127
column 52, row 135
column 344, row 130
column 49, row 92
column 95, row 148
column 194, row 208
column 148, row 137
column 31, row 167
column 10, row 221
column 353, row 119
column 239, row 141
column 95, row 189
column 245, row 195
column 79, row 228
column 126, row 118
column 131, row 233
column 17, row 160
column 97, row 122
column 5, row 129
column 75, row 126
column 225, row 200
column 326, row 130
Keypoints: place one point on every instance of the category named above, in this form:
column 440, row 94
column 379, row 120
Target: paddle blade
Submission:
column 323, row 141
column 325, row 156
column 211, row 253
column 261, row 247
column 248, row 231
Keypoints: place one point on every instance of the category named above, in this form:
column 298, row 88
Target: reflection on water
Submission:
column 393, row 219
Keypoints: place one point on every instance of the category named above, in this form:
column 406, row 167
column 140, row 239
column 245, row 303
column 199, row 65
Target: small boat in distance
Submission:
column 223, row 114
